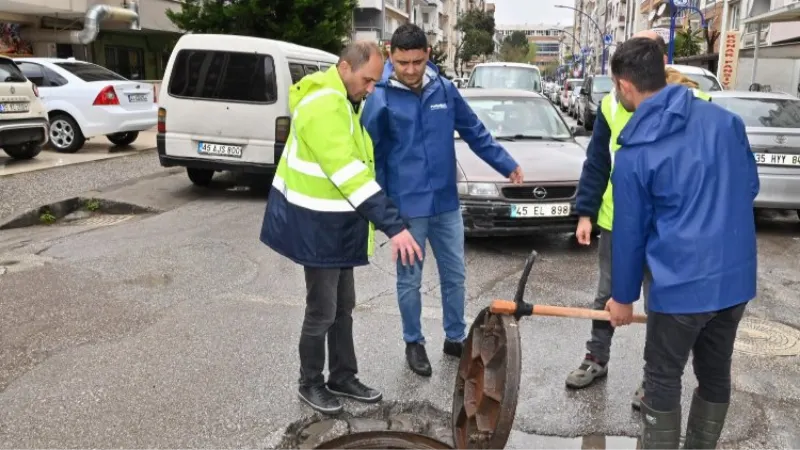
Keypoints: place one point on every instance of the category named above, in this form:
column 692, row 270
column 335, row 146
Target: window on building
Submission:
column 126, row 61
column 734, row 17
column 223, row 75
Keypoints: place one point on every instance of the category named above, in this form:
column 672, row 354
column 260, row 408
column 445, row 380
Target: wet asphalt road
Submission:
column 180, row 329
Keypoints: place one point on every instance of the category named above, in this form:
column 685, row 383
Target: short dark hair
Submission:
column 640, row 61
column 408, row 37
column 359, row 53
column 662, row 44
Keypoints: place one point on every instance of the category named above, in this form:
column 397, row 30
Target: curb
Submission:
column 78, row 163
column 64, row 207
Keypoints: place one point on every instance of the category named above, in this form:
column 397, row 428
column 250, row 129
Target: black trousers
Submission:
column 670, row 339
column 330, row 300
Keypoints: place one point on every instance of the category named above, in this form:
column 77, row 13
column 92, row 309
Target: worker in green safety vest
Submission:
column 595, row 205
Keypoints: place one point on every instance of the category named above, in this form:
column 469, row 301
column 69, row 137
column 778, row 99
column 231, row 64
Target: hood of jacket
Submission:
column 674, row 76
column 328, row 79
column 661, row 115
column 431, row 74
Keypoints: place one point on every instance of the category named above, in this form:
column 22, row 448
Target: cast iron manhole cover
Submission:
column 759, row 337
column 101, row 220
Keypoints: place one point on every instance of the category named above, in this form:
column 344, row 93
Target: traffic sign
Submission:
column 607, row 39
column 681, row 3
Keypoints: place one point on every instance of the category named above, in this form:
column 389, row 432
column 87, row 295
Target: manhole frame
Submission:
column 747, row 346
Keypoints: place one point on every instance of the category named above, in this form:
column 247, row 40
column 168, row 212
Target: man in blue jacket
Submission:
column 411, row 118
column 684, row 182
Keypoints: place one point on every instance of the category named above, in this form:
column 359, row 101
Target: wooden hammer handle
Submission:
column 509, row 308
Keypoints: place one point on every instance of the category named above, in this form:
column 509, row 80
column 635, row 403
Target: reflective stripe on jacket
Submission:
column 324, row 197
column 617, row 117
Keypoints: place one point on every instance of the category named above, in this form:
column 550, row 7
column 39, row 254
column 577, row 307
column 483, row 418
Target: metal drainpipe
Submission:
column 91, row 25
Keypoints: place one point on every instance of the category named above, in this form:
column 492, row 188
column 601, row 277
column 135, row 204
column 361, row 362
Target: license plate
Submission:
column 206, row 148
column 541, row 210
column 777, row 159
column 14, row 107
column 137, row 98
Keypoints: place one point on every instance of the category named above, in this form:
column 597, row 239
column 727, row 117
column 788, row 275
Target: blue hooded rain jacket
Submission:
column 415, row 156
column 684, row 184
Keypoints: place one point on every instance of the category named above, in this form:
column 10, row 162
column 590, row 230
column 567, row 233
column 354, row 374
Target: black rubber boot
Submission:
column 705, row 424
column 660, row 430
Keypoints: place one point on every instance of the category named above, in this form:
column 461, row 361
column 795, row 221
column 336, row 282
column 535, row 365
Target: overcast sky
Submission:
column 510, row 12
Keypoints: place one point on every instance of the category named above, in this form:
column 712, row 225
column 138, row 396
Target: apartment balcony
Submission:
column 397, row 6
column 371, row 4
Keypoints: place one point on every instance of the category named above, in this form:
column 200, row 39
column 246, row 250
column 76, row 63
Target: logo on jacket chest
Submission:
column 438, row 106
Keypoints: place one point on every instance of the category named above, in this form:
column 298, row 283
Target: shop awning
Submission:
column 788, row 13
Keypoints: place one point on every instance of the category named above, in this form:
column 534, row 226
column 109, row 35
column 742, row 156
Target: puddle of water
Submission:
column 522, row 440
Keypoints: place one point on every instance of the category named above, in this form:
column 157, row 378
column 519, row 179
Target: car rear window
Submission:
column 90, row 72
column 10, row 73
column 224, row 76
column 763, row 112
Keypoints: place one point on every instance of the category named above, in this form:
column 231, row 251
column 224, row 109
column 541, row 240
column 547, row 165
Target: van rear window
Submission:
column 223, row 76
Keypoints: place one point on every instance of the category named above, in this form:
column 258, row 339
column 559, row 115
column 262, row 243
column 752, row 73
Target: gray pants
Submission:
column 599, row 346
column 330, row 300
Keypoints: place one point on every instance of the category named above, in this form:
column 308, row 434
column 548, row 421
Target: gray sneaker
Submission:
column 585, row 375
column 636, row 403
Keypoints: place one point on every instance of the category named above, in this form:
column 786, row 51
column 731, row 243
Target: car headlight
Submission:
column 478, row 189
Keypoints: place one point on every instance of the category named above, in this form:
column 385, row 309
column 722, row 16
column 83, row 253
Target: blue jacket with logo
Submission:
column 684, row 182
column 415, row 156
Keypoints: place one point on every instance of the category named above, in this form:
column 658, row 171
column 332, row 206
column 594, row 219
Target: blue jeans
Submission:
column 445, row 232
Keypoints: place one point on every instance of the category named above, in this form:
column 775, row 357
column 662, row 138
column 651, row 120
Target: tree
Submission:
column 322, row 24
column 687, row 42
column 515, row 47
column 439, row 58
column 477, row 27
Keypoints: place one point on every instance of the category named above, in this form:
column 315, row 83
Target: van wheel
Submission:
column 65, row 134
column 23, row 151
column 123, row 139
column 200, row 177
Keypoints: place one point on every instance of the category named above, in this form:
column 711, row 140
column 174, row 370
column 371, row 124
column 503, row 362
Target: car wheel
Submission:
column 23, row 151
column 65, row 134
column 123, row 139
column 200, row 177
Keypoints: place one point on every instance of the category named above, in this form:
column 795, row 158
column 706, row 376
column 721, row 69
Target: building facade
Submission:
column 547, row 39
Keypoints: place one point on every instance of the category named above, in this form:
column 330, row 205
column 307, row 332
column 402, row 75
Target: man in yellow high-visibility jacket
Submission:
column 320, row 214
column 594, row 201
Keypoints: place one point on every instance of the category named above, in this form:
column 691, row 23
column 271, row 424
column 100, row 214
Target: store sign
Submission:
column 730, row 59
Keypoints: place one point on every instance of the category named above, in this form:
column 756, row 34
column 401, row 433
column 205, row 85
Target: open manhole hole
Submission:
column 759, row 337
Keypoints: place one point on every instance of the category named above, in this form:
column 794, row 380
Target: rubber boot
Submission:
column 660, row 429
column 705, row 423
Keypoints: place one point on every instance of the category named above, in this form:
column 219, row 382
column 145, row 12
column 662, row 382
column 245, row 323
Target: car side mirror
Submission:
column 579, row 131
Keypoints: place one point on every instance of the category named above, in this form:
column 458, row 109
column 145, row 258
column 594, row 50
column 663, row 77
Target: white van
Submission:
column 223, row 103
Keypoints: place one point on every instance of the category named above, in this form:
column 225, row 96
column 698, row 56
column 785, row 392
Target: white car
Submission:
column 706, row 80
column 84, row 100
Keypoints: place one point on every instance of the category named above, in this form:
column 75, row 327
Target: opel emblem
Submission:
column 780, row 139
column 13, row 91
column 539, row 192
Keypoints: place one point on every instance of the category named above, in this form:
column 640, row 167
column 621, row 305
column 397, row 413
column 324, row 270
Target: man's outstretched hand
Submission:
column 404, row 244
column 516, row 176
column 621, row 314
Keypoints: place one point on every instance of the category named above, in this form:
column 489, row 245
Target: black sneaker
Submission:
column 320, row 399
column 356, row 390
column 453, row 348
column 417, row 359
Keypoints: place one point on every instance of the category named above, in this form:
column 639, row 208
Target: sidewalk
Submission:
column 96, row 149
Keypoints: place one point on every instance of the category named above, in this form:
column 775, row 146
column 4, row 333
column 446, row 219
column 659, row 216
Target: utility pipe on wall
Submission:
column 91, row 25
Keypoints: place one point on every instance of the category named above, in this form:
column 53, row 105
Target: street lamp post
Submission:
column 603, row 36
column 675, row 7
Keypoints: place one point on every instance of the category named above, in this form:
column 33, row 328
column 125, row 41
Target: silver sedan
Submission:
column 773, row 128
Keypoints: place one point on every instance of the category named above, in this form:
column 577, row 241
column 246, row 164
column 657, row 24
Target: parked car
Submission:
column 566, row 91
column 555, row 96
column 225, row 102
column 706, row 80
column 594, row 88
column 506, row 75
column 572, row 99
column 773, row 129
column 84, row 101
column 23, row 118
column 535, row 134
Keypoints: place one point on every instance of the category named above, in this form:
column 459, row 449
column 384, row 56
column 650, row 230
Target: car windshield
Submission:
column 763, row 112
column 505, row 77
column 519, row 118
column 705, row 83
column 601, row 85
